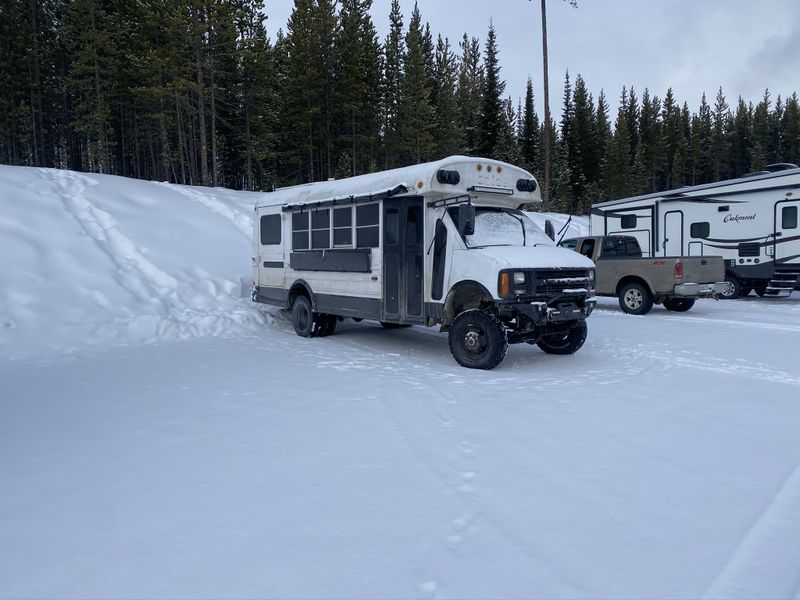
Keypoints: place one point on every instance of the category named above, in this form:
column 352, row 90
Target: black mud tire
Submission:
column 733, row 289
column 678, row 304
column 387, row 325
column 478, row 340
column 635, row 299
column 565, row 342
column 326, row 325
column 303, row 317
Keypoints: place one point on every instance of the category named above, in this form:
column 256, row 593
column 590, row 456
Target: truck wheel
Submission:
column 478, row 340
column 635, row 299
column 303, row 317
column 733, row 289
column 678, row 304
column 326, row 325
column 564, row 342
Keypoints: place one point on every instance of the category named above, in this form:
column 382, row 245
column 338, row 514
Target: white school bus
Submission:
column 442, row 243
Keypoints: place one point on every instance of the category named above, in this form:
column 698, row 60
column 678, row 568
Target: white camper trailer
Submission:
column 439, row 243
column 752, row 222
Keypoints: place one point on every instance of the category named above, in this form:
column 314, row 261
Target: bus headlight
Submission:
column 519, row 277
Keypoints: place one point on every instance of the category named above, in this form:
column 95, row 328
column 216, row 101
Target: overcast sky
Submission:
column 691, row 45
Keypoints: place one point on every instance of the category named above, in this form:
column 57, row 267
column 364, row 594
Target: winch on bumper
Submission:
column 538, row 302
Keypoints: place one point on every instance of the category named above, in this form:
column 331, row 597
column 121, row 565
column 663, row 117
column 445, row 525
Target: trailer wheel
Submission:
column 733, row 288
column 761, row 289
column 478, row 340
column 678, row 304
column 565, row 342
column 635, row 299
column 325, row 325
column 746, row 289
column 303, row 317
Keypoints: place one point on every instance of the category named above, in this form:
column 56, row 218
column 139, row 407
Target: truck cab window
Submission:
column 569, row 244
column 587, row 248
column 621, row 247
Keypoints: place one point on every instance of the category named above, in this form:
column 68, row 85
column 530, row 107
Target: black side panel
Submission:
column 349, row 306
column 439, row 255
column 271, row 295
column 342, row 260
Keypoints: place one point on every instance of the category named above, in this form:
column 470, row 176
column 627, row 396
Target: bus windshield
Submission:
column 504, row 227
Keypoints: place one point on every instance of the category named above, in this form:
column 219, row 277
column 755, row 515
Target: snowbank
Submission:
column 102, row 260
column 96, row 259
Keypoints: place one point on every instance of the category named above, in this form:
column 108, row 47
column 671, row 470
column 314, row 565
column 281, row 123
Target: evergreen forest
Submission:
column 198, row 92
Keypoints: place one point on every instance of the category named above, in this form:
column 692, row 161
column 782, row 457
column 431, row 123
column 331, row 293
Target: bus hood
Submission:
column 535, row 257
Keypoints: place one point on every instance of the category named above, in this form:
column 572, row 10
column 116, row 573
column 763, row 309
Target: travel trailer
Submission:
column 752, row 222
column 442, row 243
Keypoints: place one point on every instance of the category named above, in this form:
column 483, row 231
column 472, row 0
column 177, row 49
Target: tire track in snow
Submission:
column 688, row 319
column 123, row 253
column 134, row 272
column 702, row 362
column 765, row 563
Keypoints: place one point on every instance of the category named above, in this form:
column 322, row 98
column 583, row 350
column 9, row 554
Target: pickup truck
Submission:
column 640, row 282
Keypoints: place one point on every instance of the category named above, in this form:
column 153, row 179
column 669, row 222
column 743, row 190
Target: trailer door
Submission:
column 673, row 233
column 787, row 232
column 403, row 254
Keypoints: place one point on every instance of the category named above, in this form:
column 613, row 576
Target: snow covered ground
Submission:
column 161, row 437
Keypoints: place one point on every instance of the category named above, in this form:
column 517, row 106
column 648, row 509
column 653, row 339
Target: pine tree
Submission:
column 719, row 137
column 416, row 113
column 468, row 95
column 491, row 115
column 392, row 85
column 529, row 135
column 616, row 181
column 507, row 149
column 448, row 134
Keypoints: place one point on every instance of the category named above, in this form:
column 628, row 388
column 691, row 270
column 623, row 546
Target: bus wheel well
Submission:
column 463, row 296
column 300, row 288
column 632, row 279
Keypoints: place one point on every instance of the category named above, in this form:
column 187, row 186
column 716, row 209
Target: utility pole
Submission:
column 546, row 183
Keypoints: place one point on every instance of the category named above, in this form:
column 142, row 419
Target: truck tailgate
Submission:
column 703, row 269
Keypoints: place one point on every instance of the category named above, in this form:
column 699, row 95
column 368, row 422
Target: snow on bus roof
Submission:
column 374, row 183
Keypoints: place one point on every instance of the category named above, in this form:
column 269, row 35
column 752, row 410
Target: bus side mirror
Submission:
column 550, row 230
column 466, row 219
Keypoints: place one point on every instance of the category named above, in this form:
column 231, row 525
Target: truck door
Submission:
column 787, row 232
column 673, row 233
column 403, row 264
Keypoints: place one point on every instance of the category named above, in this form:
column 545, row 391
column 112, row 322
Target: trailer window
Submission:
column 321, row 229
column 789, row 217
column 270, row 230
column 343, row 227
column 628, row 222
column 367, row 231
column 300, row 231
column 700, row 230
